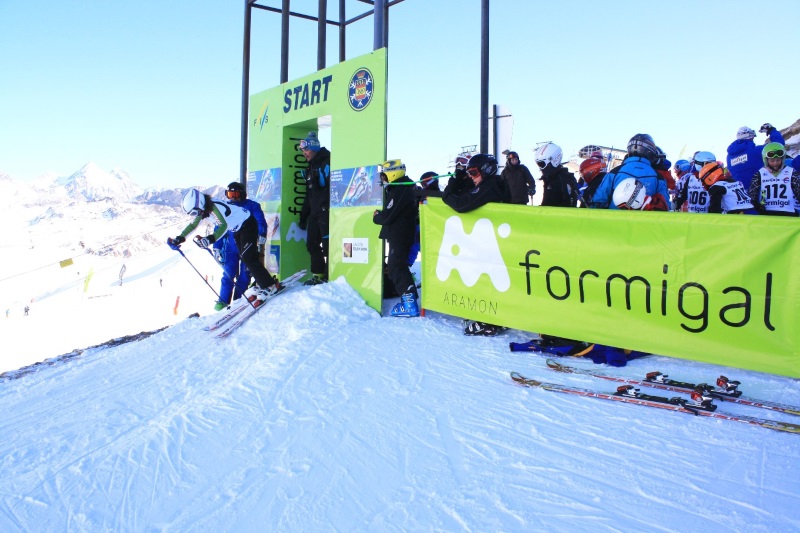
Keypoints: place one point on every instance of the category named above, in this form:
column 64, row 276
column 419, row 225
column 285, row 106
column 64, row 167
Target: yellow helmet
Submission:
column 394, row 169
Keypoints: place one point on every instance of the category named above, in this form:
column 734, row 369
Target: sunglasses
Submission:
column 775, row 154
column 473, row 172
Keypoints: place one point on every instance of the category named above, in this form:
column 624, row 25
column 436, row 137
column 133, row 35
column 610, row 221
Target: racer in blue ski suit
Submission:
column 235, row 276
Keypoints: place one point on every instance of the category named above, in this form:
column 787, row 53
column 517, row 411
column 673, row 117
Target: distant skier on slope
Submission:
column 244, row 227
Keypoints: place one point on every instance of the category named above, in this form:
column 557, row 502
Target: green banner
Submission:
column 351, row 98
column 713, row 288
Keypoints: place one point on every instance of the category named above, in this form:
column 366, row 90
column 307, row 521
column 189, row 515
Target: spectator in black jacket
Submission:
column 314, row 216
column 477, row 187
column 560, row 186
column 519, row 180
column 398, row 221
column 463, row 195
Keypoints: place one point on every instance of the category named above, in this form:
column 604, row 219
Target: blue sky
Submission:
column 154, row 87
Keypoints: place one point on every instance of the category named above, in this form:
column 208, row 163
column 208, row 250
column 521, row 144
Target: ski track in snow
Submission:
column 319, row 415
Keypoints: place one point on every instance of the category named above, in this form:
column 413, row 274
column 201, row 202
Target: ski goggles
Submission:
column 776, row 154
column 473, row 172
column 541, row 164
column 196, row 212
column 305, row 145
column 231, row 194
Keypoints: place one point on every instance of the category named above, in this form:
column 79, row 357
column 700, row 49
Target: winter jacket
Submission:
column 633, row 167
column 318, row 183
column 398, row 219
column 782, row 198
column 744, row 157
column 229, row 215
column 587, row 193
column 560, row 187
column 463, row 196
column 255, row 210
column 519, row 182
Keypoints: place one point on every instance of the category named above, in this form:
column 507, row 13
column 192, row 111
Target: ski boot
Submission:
column 407, row 307
column 257, row 296
column 482, row 328
column 219, row 306
column 316, row 279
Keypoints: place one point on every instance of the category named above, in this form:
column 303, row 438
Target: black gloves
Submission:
column 204, row 242
column 767, row 128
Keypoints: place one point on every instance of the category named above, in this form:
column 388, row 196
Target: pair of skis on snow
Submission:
column 700, row 402
column 241, row 310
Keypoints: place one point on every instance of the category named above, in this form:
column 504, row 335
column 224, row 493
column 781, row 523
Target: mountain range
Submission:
column 91, row 211
column 90, row 183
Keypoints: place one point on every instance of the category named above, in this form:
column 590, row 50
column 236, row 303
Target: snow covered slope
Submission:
column 319, row 415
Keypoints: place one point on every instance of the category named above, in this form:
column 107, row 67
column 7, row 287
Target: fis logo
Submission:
column 263, row 116
column 472, row 255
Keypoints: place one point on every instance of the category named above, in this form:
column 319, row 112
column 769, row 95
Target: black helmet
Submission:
column 236, row 191
column 643, row 145
column 486, row 163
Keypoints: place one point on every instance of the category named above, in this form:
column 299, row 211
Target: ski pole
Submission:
column 198, row 272
column 426, row 180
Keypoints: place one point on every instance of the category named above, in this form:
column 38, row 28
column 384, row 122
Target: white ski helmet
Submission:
column 547, row 153
column 701, row 159
column 630, row 194
column 194, row 202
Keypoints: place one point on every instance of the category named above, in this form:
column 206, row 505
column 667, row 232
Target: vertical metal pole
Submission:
column 321, row 27
column 385, row 25
column 245, row 92
column 379, row 34
column 495, row 136
column 285, row 41
column 484, row 137
column 342, row 31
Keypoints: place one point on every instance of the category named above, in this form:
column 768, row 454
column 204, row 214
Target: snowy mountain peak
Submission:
column 91, row 183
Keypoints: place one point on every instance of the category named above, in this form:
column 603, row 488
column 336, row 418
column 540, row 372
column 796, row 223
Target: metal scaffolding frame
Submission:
column 380, row 13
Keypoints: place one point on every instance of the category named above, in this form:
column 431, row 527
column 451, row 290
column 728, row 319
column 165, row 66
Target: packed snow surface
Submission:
column 320, row 415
